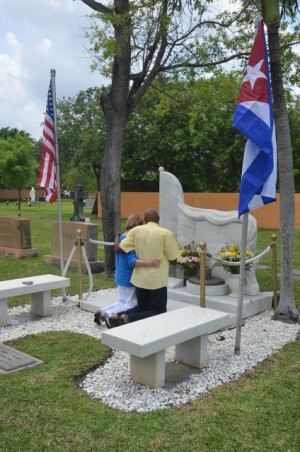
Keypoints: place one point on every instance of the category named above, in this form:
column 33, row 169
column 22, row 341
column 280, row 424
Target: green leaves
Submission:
column 81, row 138
column 18, row 169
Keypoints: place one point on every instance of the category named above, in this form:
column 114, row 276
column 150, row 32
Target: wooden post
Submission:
column 202, row 273
column 274, row 269
column 79, row 263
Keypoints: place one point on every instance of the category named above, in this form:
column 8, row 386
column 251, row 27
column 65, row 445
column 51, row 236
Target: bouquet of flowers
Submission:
column 232, row 253
column 189, row 257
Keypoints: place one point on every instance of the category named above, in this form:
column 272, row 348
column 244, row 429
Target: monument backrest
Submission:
column 214, row 227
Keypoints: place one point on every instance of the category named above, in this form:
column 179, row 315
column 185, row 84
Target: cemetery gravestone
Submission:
column 15, row 237
column 69, row 230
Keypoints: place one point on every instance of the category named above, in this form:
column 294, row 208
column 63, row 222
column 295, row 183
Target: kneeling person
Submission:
column 148, row 240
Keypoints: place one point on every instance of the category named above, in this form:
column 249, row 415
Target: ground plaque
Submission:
column 12, row 360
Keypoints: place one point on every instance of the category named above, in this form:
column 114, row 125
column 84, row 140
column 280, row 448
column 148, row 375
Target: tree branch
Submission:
column 96, row 6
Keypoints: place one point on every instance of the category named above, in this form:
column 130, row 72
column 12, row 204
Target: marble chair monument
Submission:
column 214, row 227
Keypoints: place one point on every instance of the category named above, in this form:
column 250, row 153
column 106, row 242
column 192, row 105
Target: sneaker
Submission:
column 116, row 321
column 112, row 321
column 107, row 322
column 97, row 318
column 120, row 321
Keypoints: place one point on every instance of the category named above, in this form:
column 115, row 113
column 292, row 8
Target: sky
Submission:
column 36, row 36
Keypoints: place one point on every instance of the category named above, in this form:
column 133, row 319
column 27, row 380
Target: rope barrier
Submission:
column 87, row 265
column 99, row 242
column 73, row 251
column 236, row 264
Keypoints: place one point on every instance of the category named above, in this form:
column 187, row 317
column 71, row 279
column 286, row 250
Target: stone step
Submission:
column 252, row 304
column 99, row 301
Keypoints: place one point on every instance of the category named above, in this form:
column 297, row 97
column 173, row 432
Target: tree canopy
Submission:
column 81, row 139
column 133, row 44
column 17, row 164
column 182, row 125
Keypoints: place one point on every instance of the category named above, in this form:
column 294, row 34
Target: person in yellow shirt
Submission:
column 150, row 241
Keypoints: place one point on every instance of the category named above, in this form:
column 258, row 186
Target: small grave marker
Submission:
column 12, row 360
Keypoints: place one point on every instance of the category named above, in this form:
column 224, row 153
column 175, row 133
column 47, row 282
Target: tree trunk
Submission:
column 115, row 108
column 19, row 202
column 286, row 310
column 110, row 184
column 96, row 166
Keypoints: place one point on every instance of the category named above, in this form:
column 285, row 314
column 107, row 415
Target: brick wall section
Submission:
column 268, row 217
column 7, row 195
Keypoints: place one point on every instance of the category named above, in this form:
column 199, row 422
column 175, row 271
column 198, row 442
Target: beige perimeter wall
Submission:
column 268, row 217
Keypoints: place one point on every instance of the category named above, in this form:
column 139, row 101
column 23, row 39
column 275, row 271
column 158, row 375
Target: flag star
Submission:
column 253, row 73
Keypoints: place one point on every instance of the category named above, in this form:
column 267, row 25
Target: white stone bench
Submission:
column 38, row 286
column 146, row 340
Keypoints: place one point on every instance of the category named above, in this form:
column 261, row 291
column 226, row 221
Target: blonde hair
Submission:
column 133, row 220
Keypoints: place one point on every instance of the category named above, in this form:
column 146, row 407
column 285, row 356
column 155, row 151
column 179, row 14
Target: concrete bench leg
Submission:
column 3, row 312
column 150, row 370
column 41, row 303
column 193, row 352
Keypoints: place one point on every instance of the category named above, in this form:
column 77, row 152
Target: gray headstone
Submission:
column 12, row 360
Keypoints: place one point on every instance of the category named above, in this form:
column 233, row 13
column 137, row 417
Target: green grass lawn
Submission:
column 41, row 219
column 42, row 409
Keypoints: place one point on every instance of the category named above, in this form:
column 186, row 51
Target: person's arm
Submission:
column 117, row 248
column 126, row 244
column 134, row 261
column 147, row 263
column 172, row 248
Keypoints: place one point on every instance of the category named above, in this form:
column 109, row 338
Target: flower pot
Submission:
column 234, row 281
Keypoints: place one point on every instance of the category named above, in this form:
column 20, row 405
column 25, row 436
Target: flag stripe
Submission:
column 47, row 174
column 251, row 125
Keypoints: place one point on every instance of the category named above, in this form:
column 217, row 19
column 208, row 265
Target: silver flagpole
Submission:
column 241, row 286
column 61, row 249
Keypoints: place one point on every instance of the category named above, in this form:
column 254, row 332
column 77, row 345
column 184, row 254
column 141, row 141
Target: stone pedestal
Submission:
column 15, row 237
column 217, row 286
column 89, row 231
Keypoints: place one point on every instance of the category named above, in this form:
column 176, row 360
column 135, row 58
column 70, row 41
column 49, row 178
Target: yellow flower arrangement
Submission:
column 232, row 253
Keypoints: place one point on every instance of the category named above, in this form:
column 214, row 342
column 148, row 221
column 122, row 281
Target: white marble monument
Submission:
column 214, row 227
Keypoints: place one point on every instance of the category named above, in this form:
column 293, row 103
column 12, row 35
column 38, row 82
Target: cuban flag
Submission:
column 254, row 118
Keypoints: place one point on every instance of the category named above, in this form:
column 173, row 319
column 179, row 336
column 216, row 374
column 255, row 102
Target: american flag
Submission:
column 47, row 175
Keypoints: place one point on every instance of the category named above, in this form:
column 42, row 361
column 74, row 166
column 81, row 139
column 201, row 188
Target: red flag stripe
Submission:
column 47, row 174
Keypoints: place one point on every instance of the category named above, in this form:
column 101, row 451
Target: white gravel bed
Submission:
column 260, row 338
